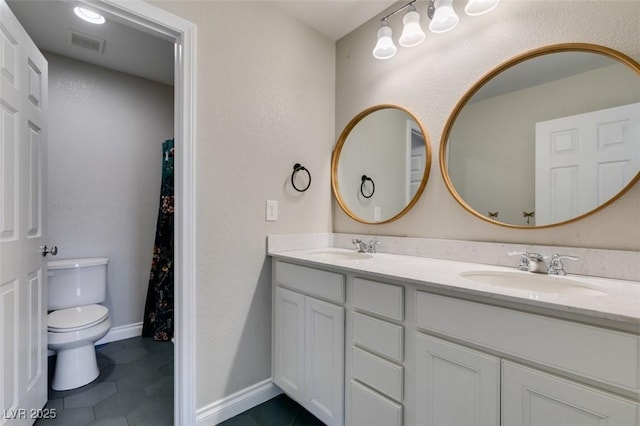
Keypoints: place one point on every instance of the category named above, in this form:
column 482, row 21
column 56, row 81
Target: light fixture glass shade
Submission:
column 480, row 7
column 385, row 48
column 89, row 15
column 445, row 18
column 412, row 34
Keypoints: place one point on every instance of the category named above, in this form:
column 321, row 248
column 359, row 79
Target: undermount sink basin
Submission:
column 332, row 254
column 535, row 283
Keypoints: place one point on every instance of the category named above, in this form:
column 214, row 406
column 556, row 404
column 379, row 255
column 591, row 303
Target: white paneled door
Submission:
column 23, row 127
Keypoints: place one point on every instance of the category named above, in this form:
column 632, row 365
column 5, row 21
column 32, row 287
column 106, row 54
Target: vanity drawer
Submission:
column 379, row 336
column 378, row 298
column 372, row 409
column 377, row 373
column 599, row 354
column 314, row 282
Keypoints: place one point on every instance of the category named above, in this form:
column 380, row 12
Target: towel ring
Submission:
column 366, row 178
column 296, row 168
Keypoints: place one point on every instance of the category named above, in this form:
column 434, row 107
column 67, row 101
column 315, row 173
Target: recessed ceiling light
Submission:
column 89, row 15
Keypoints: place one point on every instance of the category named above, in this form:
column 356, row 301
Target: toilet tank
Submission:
column 77, row 282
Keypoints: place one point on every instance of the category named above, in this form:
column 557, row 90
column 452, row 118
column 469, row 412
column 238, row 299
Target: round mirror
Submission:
column 381, row 164
column 546, row 138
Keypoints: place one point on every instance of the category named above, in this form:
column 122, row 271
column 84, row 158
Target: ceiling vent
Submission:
column 86, row 41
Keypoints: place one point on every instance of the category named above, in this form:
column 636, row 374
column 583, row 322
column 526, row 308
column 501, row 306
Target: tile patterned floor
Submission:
column 135, row 388
column 279, row 411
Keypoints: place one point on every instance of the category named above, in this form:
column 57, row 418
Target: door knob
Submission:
column 53, row 250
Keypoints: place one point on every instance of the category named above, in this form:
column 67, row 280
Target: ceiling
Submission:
column 54, row 28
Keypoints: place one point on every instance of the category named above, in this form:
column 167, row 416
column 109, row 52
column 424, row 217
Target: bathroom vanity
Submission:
column 386, row 339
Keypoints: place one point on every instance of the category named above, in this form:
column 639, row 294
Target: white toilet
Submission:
column 76, row 321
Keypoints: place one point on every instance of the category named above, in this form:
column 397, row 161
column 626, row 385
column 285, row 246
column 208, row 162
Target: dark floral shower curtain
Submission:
column 158, row 311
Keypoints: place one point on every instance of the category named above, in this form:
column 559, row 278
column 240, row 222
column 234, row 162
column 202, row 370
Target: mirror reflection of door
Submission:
column 417, row 159
column 584, row 160
column 388, row 144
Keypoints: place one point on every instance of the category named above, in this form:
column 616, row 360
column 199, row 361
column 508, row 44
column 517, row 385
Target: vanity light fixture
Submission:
column 412, row 34
column 443, row 18
column 385, row 48
column 89, row 15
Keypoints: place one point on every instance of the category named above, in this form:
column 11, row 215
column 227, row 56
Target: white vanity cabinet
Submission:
column 365, row 349
column 308, row 339
column 457, row 378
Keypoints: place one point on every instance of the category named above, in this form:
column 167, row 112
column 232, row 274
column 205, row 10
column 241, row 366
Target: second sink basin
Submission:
column 533, row 282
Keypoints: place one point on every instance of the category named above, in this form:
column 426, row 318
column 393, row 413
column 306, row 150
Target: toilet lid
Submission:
column 78, row 318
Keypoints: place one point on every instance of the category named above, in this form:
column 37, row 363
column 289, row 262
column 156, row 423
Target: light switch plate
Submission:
column 271, row 211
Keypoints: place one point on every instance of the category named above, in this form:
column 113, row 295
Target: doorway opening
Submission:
column 159, row 23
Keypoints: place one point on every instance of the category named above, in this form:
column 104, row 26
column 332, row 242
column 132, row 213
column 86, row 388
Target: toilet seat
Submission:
column 77, row 318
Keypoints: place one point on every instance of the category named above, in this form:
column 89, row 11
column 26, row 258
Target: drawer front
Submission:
column 369, row 408
column 379, row 336
column 599, row 354
column 382, row 299
column 378, row 373
column 315, row 282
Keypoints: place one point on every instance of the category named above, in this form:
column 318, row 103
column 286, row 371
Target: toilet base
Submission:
column 75, row 367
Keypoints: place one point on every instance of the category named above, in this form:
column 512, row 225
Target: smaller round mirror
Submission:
column 381, row 164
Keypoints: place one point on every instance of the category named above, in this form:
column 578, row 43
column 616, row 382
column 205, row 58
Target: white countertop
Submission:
column 619, row 301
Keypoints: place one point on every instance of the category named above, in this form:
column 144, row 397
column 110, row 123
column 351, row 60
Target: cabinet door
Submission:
column 324, row 356
column 288, row 342
column 533, row 398
column 455, row 385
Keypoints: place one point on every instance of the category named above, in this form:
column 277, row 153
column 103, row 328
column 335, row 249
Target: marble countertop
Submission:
column 611, row 299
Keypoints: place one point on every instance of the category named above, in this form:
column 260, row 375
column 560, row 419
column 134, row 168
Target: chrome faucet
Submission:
column 361, row 247
column 556, row 267
column 534, row 262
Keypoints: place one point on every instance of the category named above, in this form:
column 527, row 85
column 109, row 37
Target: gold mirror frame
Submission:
column 336, row 158
column 557, row 48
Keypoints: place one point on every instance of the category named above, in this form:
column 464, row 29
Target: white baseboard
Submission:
column 121, row 332
column 234, row 404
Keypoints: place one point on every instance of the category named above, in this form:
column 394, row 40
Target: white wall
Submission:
column 104, row 173
column 265, row 101
column 429, row 80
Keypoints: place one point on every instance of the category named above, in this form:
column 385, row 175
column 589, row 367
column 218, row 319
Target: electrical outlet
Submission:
column 271, row 211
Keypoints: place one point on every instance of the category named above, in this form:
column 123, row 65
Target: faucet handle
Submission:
column 524, row 259
column 371, row 247
column 556, row 267
column 360, row 246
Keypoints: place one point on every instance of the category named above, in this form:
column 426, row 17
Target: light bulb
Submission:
column 89, row 15
column 445, row 18
column 412, row 34
column 385, row 48
column 480, row 7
